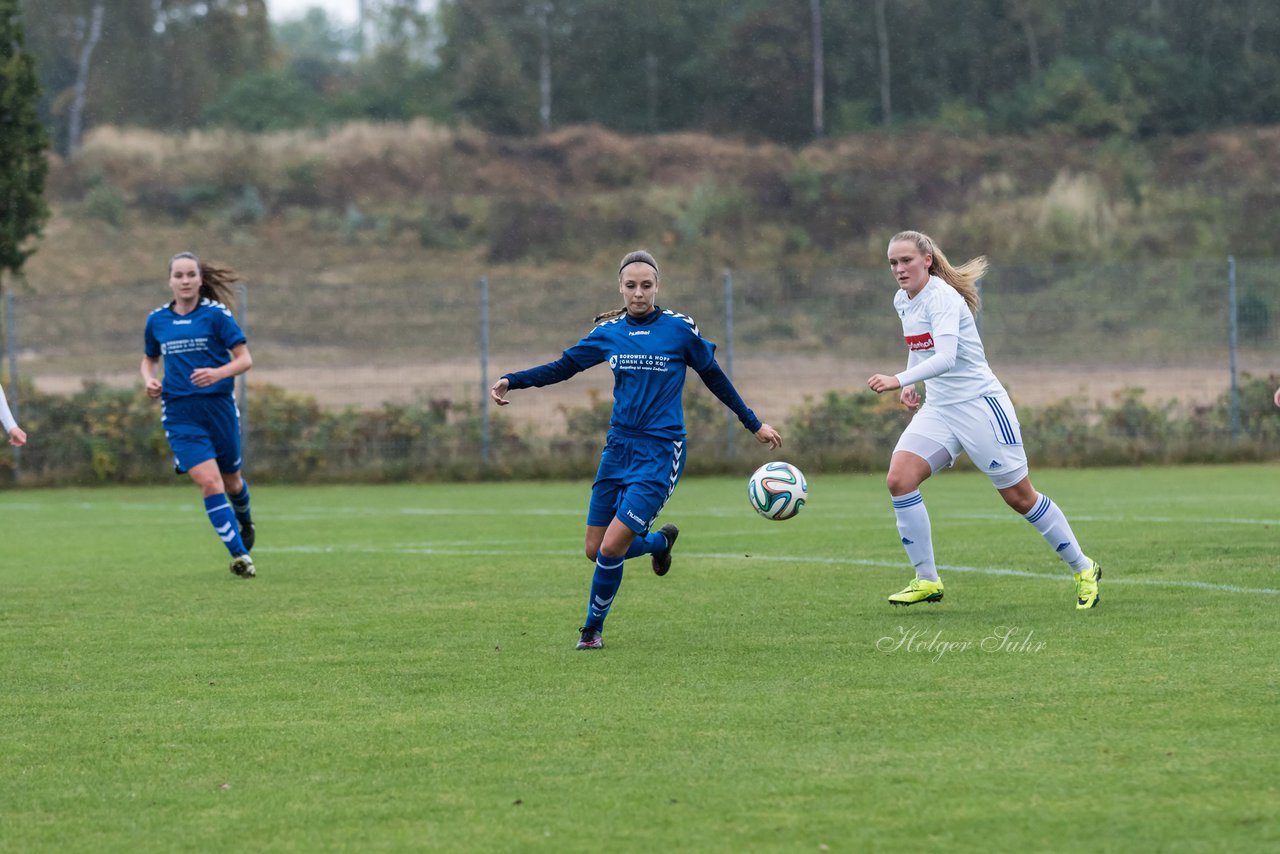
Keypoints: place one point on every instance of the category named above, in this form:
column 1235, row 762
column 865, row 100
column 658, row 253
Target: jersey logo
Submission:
column 923, row 341
column 613, row 363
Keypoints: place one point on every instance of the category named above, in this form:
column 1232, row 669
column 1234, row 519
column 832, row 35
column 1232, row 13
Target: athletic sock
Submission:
column 916, row 533
column 224, row 522
column 651, row 542
column 604, row 587
column 1047, row 518
column 240, row 504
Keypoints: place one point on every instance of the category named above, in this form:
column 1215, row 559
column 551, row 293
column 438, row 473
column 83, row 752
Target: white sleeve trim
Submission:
column 6, row 417
column 942, row 360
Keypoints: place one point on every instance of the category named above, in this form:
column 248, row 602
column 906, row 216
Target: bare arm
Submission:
column 240, row 362
column 150, row 366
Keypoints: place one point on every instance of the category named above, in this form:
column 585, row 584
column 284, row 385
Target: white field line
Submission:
column 307, row 513
column 1061, row 577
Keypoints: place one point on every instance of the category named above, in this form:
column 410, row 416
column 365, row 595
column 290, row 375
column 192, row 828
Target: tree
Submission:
column 23, row 146
column 75, row 120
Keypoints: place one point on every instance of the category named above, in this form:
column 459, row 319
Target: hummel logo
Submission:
column 994, row 465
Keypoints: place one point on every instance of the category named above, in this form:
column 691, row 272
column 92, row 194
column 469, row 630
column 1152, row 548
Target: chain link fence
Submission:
column 1178, row 336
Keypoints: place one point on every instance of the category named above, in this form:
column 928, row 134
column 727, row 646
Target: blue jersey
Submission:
column 648, row 357
column 202, row 339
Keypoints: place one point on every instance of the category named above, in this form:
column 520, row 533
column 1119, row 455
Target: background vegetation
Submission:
column 102, row 435
column 758, row 68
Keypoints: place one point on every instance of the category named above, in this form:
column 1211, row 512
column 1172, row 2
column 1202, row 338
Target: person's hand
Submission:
column 17, row 437
column 1278, row 397
column 910, row 398
column 204, row 377
column 153, row 387
column 766, row 435
column 499, row 391
column 882, row 382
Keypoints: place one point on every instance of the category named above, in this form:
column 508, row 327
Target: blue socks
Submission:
column 224, row 522
column 240, row 504
column 646, row 545
column 604, row 587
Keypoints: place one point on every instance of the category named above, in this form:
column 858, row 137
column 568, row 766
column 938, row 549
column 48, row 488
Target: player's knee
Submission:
column 900, row 483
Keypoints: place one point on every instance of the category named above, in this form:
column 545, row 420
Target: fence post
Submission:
column 1235, row 343
column 244, row 380
column 11, row 345
column 730, row 419
column 484, row 370
column 977, row 317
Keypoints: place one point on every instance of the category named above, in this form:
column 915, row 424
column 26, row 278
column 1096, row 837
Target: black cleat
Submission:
column 590, row 638
column 662, row 559
column 247, row 535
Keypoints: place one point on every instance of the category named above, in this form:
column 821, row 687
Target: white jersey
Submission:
column 937, row 310
column 6, row 417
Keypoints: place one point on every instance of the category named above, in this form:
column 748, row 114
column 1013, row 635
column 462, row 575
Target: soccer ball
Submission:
column 777, row 490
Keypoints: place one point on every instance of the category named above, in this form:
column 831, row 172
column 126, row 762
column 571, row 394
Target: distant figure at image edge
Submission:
column 17, row 437
column 648, row 349
column 966, row 408
column 204, row 350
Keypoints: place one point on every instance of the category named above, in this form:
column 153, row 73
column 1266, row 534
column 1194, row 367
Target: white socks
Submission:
column 916, row 533
column 1052, row 524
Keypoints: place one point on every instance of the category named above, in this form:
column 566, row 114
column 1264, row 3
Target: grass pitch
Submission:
column 401, row 675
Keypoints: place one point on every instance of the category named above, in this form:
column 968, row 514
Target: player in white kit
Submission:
column 966, row 409
column 17, row 437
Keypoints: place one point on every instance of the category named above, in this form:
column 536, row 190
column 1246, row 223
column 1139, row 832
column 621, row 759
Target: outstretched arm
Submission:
column 714, row 378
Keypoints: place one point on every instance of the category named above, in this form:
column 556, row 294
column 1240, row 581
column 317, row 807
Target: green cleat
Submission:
column 918, row 590
column 1087, row 586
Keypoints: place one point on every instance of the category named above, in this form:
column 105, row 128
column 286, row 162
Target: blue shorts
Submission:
column 203, row 427
column 636, row 477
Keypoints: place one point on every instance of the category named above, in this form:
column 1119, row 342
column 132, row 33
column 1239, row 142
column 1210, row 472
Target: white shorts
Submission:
column 986, row 428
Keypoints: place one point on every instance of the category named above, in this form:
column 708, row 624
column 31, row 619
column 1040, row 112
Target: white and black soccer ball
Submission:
column 777, row 490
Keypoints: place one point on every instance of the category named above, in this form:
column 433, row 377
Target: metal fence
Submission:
column 1182, row 332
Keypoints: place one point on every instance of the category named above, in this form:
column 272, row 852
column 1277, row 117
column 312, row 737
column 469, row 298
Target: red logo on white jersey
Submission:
column 924, row 341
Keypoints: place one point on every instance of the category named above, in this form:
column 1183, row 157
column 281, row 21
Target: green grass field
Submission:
column 401, row 675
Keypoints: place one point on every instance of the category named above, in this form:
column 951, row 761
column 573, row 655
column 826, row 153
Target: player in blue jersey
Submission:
column 17, row 437
column 203, row 351
column 966, row 409
column 648, row 349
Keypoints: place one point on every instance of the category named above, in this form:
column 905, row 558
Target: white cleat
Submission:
column 243, row 567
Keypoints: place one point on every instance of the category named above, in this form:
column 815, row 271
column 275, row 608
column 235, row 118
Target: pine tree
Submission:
column 23, row 146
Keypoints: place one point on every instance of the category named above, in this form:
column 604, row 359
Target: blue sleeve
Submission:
column 722, row 387
column 229, row 331
column 150, row 346
column 576, row 359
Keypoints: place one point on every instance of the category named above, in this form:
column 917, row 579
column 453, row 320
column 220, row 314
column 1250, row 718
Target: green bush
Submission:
column 108, row 435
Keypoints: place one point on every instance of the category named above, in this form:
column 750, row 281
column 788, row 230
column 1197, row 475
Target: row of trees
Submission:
column 781, row 69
